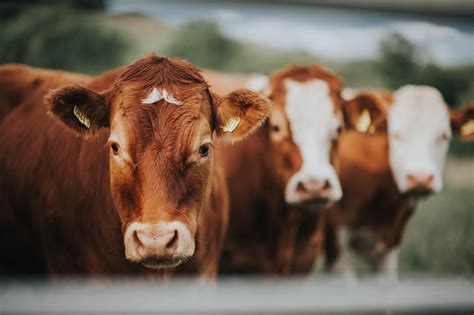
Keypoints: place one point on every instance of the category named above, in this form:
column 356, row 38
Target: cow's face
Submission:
column 163, row 121
column 303, row 128
column 419, row 133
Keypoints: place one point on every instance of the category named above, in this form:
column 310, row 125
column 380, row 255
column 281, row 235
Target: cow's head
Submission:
column 419, row 132
column 163, row 120
column 303, row 129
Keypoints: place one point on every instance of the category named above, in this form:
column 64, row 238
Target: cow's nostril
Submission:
column 327, row 185
column 174, row 241
column 301, row 188
column 430, row 180
column 411, row 180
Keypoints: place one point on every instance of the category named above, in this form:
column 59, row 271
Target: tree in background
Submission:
column 398, row 61
column 454, row 83
column 400, row 64
column 203, row 44
column 60, row 38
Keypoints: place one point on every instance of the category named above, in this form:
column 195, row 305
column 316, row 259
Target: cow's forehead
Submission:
column 159, row 82
column 309, row 105
column 172, row 122
column 418, row 110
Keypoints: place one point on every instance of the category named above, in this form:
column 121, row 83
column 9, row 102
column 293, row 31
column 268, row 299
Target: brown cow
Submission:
column 384, row 173
column 280, row 177
column 154, row 198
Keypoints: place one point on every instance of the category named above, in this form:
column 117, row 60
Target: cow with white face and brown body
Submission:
column 282, row 178
column 136, row 187
column 385, row 171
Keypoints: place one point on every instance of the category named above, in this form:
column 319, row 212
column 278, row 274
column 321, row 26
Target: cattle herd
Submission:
column 160, row 169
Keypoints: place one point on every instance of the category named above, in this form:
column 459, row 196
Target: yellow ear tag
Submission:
column 81, row 117
column 371, row 130
column 467, row 129
column 363, row 122
column 231, row 124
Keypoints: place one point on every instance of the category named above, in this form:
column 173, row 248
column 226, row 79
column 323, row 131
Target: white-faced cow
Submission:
column 385, row 172
column 283, row 175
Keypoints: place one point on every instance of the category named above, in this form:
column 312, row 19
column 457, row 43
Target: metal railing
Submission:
column 237, row 296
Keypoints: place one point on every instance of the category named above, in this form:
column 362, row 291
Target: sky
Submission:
column 337, row 34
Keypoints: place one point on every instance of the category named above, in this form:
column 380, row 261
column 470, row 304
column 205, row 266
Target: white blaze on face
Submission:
column 156, row 95
column 419, row 132
column 314, row 123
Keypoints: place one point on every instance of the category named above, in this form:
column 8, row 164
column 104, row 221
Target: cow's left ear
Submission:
column 240, row 113
column 80, row 109
column 462, row 122
column 366, row 113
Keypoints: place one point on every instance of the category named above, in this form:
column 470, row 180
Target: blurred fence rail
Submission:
column 237, row 296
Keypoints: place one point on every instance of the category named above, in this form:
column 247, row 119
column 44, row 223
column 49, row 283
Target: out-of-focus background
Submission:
column 371, row 44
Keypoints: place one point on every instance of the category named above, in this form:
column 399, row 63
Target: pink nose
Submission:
column 420, row 180
column 157, row 240
column 158, row 245
column 313, row 189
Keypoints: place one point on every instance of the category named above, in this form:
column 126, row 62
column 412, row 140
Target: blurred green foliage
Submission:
column 398, row 61
column 401, row 62
column 60, row 38
column 203, row 44
column 440, row 237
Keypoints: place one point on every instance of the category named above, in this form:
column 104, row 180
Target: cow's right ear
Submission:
column 78, row 108
column 462, row 122
column 366, row 113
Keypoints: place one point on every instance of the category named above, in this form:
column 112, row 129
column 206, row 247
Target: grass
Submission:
column 440, row 237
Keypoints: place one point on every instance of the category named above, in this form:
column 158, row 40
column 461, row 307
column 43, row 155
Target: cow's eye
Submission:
column 204, row 150
column 115, row 148
column 275, row 128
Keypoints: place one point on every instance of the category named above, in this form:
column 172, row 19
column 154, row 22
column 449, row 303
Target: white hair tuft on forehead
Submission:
column 156, row 96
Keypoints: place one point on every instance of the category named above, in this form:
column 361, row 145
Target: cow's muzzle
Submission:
column 160, row 245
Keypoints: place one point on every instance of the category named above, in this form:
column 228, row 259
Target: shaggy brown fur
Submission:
column 65, row 202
